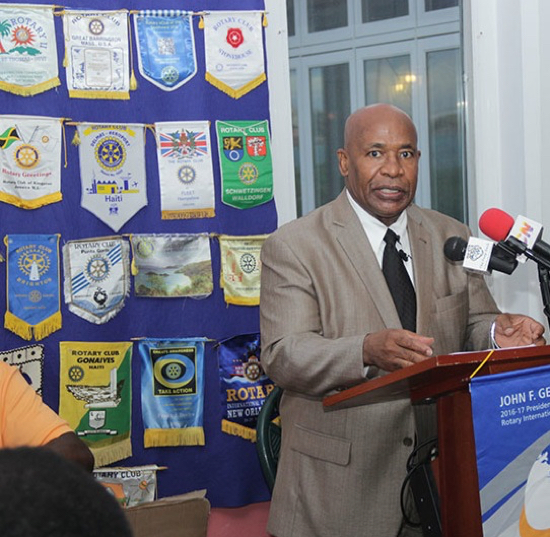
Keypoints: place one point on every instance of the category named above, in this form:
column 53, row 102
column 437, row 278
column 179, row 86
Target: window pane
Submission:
column 445, row 120
column 377, row 10
column 330, row 107
column 326, row 14
column 291, row 26
column 296, row 138
column 389, row 80
column 432, row 5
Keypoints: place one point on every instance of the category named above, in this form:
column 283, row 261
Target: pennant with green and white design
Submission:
column 245, row 162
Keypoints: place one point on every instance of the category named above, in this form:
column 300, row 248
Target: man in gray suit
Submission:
column 328, row 321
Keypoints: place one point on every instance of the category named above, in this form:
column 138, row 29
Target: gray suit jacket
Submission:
column 340, row 472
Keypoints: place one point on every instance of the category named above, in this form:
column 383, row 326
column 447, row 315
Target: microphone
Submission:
column 480, row 255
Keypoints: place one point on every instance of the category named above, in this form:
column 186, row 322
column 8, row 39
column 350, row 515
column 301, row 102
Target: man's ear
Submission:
column 343, row 161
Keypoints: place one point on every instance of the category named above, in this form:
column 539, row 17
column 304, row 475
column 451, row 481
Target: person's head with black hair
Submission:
column 43, row 494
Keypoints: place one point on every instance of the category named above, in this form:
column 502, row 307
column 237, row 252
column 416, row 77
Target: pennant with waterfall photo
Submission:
column 241, row 268
column 234, row 51
column 28, row 51
column 95, row 396
column 97, row 54
column 243, row 384
column 112, row 171
column 165, row 47
column 245, row 162
column 97, row 277
column 185, row 169
column 172, row 391
column 172, row 265
column 32, row 285
column 30, row 362
column 30, row 160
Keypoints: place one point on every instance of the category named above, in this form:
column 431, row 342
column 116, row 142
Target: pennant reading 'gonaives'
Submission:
column 30, row 160
column 96, row 52
column 185, row 169
column 33, row 285
column 166, row 47
column 112, row 171
column 28, row 53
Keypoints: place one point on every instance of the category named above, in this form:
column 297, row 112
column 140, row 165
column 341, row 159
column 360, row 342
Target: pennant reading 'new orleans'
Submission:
column 245, row 161
column 30, row 362
column 166, row 47
column 30, row 160
column 97, row 277
column 28, row 53
column 112, row 171
column 96, row 52
column 33, row 285
column 172, row 265
column 172, row 391
column 95, row 396
column 234, row 51
column 185, row 169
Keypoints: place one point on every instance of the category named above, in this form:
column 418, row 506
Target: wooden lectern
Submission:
column 446, row 380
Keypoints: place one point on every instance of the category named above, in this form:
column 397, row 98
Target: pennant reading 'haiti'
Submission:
column 172, row 391
column 95, row 396
column 185, row 169
column 28, row 53
column 33, row 285
column 30, row 160
column 166, row 47
column 96, row 52
column 112, row 171
column 234, row 51
column 245, row 162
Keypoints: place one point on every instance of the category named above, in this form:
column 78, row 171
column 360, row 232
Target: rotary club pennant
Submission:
column 245, row 161
column 97, row 277
column 241, row 268
column 30, row 362
column 234, row 51
column 97, row 54
column 32, row 285
column 28, row 52
column 185, row 169
column 30, row 160
column 95, row 396
column 112, row 171
column 166, row 47
column 172, row 265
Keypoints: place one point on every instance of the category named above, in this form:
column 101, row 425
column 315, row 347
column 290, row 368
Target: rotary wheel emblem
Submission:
column 35, row 296
column 26, row 156
column 170, row 75
column 235, row 37
column 187, row 174
column 248, row 263
column 145, row 248
column 76, row 373
column 110, row 154
column 252, row 371
column 248, row 173
column 97, row 269
column 34, row 262
column 96, row 27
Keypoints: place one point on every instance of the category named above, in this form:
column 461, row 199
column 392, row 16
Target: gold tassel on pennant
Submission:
column 133, row 80
column 189, row 436
column 47, row 326
column 76, row 138
column 264, row 20
column 17, row 326
column 201, row 22
column 237, row 429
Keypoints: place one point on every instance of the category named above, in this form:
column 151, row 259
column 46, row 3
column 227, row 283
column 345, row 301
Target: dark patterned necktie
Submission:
column 399, row 282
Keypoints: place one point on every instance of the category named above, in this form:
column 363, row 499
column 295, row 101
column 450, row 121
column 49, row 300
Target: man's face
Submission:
column 380, row 163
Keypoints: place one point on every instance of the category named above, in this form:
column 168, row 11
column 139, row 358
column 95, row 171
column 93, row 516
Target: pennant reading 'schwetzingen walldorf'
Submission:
column 245, row 161
column 30, row 160
column 28, row 52
column 166, row 47
column 234, row 51
column 30, row 362
column 112, row 171
column 185, row 169
column 96, row 52
column 33, row 285
column 95, row 385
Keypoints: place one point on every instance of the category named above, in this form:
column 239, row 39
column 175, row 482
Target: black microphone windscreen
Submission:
column 455, row 248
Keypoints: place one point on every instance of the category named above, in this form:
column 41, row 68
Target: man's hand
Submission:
column 395, row 349
column 512, row 330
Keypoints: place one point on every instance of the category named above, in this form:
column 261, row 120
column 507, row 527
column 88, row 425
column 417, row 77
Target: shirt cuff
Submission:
column 493, row 340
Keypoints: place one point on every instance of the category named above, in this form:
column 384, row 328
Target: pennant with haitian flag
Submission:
column 241, row 268
column 30, row 160
column 243, row 384
column 32, row 285
column 30, row 362
column 245, row 162
column 97, row 277
column 172, row 391
column 112, row 171
column 234, row 51
column 166, row 47
column 97, row 54
column 185, row 169
column 95, row 396
column 172, row 265
column 28, row 52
